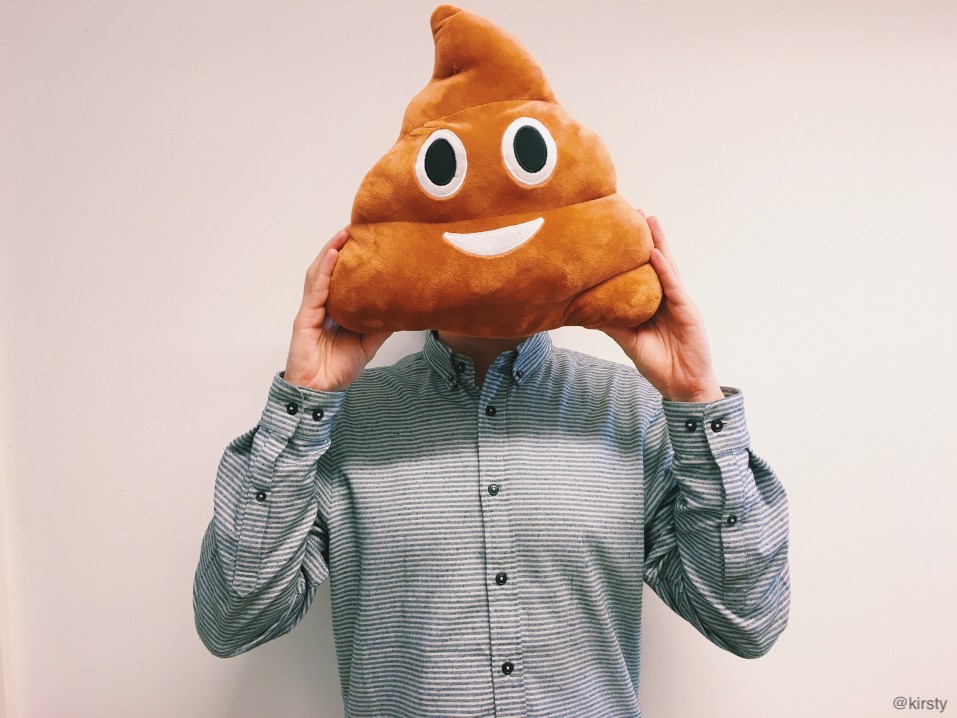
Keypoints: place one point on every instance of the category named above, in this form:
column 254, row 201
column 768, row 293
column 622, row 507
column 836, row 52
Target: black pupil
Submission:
column 440, row 162
column 530, row 149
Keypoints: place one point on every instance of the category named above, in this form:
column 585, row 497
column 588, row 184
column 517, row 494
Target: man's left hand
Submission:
column 670, row 349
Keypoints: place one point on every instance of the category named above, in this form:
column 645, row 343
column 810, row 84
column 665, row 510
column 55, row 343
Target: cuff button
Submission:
column 318, row 414
column 291, row 407
column 717, row 425
column 691, row 424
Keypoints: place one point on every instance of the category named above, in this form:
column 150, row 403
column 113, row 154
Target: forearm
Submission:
column 719, row 546
column 261, row 556
column 229, row 623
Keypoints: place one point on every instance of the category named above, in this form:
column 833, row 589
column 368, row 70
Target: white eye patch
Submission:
column 441, row 164
column 529, row 151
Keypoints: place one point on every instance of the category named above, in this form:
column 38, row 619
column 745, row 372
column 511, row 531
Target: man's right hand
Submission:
column 323, row 355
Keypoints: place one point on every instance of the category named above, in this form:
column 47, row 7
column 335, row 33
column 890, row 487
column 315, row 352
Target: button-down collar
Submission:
column 521, row 362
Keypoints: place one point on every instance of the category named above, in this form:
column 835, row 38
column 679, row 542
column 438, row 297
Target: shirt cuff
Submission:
column 300, row 413
column 702, row 428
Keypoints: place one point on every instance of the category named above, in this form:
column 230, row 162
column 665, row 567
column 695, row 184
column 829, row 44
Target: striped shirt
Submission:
column 486, row 547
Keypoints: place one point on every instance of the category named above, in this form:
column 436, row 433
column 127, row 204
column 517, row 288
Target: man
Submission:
column 487, row 511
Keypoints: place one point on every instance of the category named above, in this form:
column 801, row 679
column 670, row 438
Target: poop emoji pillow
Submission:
column 495, row 213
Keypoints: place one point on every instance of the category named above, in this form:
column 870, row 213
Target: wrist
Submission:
column 314, row 382
column 711, row 392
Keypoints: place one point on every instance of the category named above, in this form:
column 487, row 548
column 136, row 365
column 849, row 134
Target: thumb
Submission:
column 373, row 341
column 621, row 335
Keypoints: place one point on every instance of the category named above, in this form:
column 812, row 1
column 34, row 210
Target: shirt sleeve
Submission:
column 716, row 525
column 265, row 551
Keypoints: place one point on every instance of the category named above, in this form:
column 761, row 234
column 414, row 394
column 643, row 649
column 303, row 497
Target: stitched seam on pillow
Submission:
column 470, row 107
column 498, row 216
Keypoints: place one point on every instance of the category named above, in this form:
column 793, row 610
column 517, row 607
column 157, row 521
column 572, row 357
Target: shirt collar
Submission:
column 521, row 362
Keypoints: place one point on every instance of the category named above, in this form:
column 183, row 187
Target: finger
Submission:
column 316, row 288
column 670, row 282
column 337, row 241
column 661, row 242
column 319, row 292
column 658, row 237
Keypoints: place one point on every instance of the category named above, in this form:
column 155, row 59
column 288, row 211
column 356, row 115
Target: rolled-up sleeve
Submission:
column 716, row 525
column 264, row 553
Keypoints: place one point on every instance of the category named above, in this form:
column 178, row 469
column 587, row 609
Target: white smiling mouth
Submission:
column 492, row 242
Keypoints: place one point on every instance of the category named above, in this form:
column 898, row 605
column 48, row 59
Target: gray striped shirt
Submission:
column 486, row 548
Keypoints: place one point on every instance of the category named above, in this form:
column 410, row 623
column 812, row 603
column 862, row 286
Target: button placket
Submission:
column 719, row 433
column 504, row 610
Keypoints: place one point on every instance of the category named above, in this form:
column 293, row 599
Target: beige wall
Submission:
column 171, row 168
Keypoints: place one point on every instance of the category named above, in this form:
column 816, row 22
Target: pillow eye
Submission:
column 441, row 163
column 529, row 151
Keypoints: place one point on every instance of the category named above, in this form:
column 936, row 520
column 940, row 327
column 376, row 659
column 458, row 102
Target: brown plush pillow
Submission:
column 495, row 214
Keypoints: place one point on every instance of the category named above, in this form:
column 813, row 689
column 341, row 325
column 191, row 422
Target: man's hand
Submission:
column 671, row 349
column 323, row 355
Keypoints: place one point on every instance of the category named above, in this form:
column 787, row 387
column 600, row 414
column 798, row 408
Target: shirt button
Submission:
column 318, row 414
column 291, row 407
column 691, row 424
column 519, row 374
column 459, row 366
column 493, row 489
column 490, row 411
column 501, row 578
column 260, row 496
column 717, row 425
column 732, row 520
column 507, row 667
